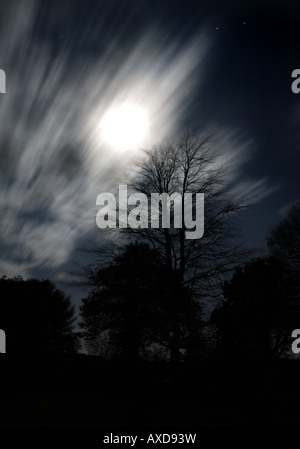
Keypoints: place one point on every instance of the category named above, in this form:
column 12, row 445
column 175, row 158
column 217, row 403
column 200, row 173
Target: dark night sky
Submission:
column 217, row 67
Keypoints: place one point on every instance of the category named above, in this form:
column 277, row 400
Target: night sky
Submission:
column 221, row 68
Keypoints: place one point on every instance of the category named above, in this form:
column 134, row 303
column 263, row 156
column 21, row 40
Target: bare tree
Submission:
column 284, row 240
column 189, row 166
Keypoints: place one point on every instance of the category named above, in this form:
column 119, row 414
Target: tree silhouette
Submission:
column 259, row 311
column 128, row 306
column 198, row 265
column 123, row 302
column 284, row 241
column 37, row 317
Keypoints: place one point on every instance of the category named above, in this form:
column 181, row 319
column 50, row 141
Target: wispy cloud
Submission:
column 54, row 159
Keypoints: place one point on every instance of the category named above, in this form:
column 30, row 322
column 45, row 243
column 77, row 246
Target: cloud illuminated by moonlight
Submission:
column 56, row 157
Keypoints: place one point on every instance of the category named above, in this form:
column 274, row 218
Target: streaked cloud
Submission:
column 54, row 158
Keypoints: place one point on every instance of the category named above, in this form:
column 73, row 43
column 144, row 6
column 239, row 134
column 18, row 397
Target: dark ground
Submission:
column 82, row 392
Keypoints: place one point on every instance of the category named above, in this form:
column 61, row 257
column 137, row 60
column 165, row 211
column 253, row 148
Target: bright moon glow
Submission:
column 124, row 127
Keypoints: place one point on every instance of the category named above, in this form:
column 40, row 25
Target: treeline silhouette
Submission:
column 36, row 317
column 148, row 300
column 145, row 336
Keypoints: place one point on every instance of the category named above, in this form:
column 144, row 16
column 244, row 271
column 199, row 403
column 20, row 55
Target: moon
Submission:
column 124, row 127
